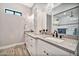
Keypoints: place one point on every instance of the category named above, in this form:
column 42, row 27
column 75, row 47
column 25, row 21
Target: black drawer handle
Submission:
column 47, row 54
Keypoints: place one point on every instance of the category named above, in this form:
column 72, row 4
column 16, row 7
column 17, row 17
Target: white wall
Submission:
column 11, row 26
column 11, row 29
column 26, row 12
column 17, row 7
column 29, row 23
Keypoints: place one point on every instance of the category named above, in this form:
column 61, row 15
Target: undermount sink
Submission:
column 54, row 39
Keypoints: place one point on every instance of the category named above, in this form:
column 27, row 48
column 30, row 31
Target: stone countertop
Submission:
column 66, row 44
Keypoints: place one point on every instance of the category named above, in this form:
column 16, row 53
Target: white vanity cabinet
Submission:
column 39, row 47
column 30, row 44
column 46, row 49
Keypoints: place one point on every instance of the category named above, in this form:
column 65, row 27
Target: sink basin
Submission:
column 54, row 39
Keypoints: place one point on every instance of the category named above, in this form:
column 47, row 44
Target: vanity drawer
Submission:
column 45, row 48
column 42, row 49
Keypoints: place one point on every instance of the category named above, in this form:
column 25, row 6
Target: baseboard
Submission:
column 12, row 45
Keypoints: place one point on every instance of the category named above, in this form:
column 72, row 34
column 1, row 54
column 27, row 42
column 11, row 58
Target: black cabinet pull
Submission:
column 47, row 54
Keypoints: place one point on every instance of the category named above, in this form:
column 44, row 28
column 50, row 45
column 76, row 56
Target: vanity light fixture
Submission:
column 65, row 13
column 71, row 14
column 57, row 19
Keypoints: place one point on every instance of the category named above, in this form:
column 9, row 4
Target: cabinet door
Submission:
column 27, row 40
column 28, row 45
column 44, row 48
column 33, row 46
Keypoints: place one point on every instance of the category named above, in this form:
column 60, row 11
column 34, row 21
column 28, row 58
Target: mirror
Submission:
column 69, row 20
column 49, row 23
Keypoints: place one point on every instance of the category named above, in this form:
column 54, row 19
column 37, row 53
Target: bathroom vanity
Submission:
column 46, row 45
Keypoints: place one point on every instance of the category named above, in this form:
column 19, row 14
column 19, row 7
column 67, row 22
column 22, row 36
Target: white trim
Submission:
column 29, row 52
column 12, row 45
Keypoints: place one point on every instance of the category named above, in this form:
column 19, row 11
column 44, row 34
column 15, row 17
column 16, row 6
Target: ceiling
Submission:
column 28, row 4
column 47, row 6
column 50, row 4
column 56, row 4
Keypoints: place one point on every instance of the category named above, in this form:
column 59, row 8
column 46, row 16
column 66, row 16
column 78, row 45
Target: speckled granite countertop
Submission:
column 65, row 44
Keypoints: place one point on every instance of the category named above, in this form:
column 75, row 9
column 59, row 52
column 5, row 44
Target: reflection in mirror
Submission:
column 68, row 20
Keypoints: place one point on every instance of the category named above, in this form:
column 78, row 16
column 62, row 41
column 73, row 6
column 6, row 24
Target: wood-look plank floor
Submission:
column 19, row 50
